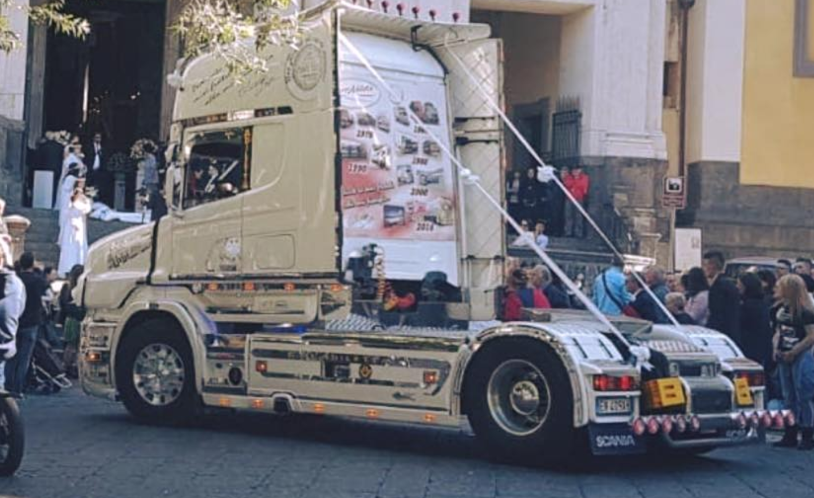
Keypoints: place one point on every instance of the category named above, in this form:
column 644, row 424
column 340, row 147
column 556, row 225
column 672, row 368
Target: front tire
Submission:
column 155, row 374
column 12, row 436
column 519, row 402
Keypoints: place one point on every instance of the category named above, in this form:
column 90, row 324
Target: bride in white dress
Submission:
column 73, row 156
column 73, row 234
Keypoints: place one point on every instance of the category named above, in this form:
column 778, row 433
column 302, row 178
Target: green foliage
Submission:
column 51, row 14
column 223, row 28
column 236, row 31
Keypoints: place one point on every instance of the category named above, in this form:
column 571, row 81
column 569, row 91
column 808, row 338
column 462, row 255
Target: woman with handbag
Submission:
column 793, row 342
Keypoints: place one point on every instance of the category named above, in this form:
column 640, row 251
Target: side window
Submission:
column 217, row 165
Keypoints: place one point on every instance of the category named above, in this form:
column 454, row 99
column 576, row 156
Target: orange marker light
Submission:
column 261, row 366
column 337, row 287
column 212, row 287
column 429, row 418
column 257, row 403
column 289, row 287
column 430, row 376
column 319, row 408
column 225, row 402
column 93, row 357
column 371, row 413
column 248, row 286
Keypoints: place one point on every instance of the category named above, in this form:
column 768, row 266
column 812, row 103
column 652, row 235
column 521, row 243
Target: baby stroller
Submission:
column 47, row 373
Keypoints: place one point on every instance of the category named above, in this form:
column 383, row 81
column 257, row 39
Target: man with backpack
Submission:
column 16, row 370
column 12, row 304
column 610, row 294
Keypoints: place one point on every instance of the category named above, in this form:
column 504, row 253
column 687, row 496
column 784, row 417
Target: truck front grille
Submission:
column 711, row 402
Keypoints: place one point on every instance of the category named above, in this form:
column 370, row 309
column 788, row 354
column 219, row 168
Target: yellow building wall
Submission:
column 778, row 109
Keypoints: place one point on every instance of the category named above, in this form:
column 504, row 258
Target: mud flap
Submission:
column 614, row 439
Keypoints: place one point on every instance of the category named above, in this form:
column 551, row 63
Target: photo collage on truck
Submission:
column 396, row 181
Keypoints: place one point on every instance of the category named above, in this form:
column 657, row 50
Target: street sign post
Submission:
column 674, row 195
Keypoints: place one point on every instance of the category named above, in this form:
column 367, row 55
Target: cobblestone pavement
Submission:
column 80, row 447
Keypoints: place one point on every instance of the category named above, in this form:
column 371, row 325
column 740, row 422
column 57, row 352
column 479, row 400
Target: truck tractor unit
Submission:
column 250, row 301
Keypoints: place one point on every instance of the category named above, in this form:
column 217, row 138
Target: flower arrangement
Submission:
column 139, row 149
column 120, row 163
column 62, row 137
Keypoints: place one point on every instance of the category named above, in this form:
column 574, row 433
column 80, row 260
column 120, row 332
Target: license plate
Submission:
column 612, row 406
column 614, row 439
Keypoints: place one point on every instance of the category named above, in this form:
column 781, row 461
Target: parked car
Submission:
column 735, row 267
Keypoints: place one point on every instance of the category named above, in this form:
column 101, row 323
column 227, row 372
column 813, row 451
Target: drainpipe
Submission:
column 685, row 6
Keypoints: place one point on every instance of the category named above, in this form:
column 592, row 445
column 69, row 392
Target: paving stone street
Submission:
column 82, row 447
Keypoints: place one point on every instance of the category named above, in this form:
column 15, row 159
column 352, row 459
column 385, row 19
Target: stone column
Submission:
column 612, row 58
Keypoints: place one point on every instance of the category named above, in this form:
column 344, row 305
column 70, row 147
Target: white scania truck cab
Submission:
column 323, row 254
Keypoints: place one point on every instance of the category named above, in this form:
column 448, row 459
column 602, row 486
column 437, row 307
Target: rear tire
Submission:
column 12, row 436
column 519, row 402
column 155, row 374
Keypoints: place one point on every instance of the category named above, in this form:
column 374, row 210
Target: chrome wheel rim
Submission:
column 158, row 374
column 519, row 397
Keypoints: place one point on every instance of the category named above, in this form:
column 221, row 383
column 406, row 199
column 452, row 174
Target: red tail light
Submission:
column 778, row 420
column 680, row 424
column 653, row 425
column 639, row 427
column 791, row 420
column 766, row 420
column 612, row 383
column 741, row 421
column 695, row 424
column 667, row 425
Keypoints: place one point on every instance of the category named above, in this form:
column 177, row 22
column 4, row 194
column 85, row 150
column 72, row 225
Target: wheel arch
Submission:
column 527, row 335
column 179, row 315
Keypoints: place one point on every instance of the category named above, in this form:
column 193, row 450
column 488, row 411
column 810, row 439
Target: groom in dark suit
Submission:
column 95, row 157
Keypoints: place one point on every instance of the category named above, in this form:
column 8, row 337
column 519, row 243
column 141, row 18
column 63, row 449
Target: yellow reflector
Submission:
column 319, row 408
column 742, row 392
column 371, row 413
column 663, row 393
column 225, row 402
column 257, row 403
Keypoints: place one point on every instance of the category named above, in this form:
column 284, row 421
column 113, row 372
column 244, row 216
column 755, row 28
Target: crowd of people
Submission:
column 544, row 206
column 35, row 314
column 768, row 313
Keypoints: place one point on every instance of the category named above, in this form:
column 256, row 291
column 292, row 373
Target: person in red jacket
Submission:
column 578, row 184
column 512, row 304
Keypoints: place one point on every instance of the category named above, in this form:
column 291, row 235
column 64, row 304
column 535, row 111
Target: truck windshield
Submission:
column 215, row 167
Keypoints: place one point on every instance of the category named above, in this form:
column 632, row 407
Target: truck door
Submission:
column 206, row 232
column 479, row 139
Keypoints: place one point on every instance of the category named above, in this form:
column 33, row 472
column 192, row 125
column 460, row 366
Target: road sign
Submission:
column 674, row 195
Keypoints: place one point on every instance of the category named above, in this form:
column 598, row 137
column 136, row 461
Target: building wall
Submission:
column 531, row 45
column 12, row 67
column 778, row 108
column 750, row 192
column 715, row 80
column 12, row 103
